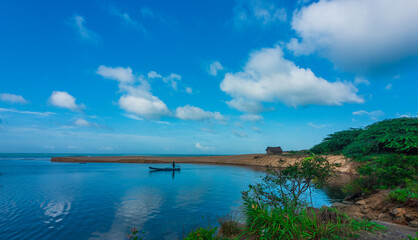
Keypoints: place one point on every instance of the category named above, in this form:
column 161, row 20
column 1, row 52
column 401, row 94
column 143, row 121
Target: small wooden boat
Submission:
column 164, row 169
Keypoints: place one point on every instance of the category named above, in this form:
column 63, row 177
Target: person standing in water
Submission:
column 174, row 165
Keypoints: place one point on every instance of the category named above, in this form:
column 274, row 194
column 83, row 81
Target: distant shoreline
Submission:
column 243, row 160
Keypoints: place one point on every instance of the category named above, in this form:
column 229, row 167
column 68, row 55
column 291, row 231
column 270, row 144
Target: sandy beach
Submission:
column 244, row 160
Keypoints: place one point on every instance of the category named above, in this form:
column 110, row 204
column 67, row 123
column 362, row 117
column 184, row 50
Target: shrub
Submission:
column 336, row 142
column 398, row 135
column 383, row 172
column 202, row 234
column 285, row 187
column 402, row 195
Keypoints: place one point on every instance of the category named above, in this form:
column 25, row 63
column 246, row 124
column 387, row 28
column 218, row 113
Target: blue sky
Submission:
column 201, row 77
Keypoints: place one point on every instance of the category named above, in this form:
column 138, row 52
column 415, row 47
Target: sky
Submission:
column 201, row 77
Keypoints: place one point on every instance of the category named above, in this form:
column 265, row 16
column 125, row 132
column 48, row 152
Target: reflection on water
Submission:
column 47, row 200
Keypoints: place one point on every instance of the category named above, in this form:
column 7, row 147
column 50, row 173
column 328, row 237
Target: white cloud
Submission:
column 153, row 74
column 317, row 125
column 251, row 117
column 120, row 74
column 256, row 129
column 214, row 68
column 26, row 112
column 149, row 107
column 171, row 79
column 357, row 34
column 389, row 86
column 128, row 21
column 199, row 146
column 137, row 99
column 81, row 123
column 197, row 114
column 78, row 22
column 12, row 98
column 268, row 77
column 132, row 116
column 263, row 12
column 373, row 114
column 189, row 90
column 361, row 80
column 64, row 100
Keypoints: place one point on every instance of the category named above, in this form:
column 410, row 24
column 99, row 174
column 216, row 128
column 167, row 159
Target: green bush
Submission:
column 265, row 222
column 202, row 234
column 384, row 171
column 399, row 135
column 336, row 142
column 402, row 195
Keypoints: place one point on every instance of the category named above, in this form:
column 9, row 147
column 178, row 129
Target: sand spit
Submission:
column 243, row 160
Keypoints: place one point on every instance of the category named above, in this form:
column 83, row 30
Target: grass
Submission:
column 264, row 222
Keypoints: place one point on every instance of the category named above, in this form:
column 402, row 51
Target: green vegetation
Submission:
column 386, row 152
column 399, row 135
column 276, row 208
column 403, row 195
column 202, row 234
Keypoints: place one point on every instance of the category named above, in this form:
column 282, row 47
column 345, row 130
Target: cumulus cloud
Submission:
column 78, row 23
column 197, row 114
column 251, row 117
column 214, row 68
column 263, row 12
column 137, row 99
column 120, row 74
column 64, row 100
column 373, row 114
column 150, row 107
column 389, row 86
column 268, row 77
column 357, row 34
column 172, row 79
column 12, row 98
column 199, row 146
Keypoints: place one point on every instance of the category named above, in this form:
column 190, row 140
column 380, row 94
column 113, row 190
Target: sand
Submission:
column 243, row 160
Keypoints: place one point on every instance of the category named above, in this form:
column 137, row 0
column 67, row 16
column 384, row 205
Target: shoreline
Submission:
column 255, row 160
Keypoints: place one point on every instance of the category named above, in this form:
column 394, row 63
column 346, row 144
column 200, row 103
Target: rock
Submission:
column 361, row 202
column 381, row 216
column 365, row 210
column 347, row 202
column 409, row 217
column 413, row 224
column 398, row 212
column 338, row 205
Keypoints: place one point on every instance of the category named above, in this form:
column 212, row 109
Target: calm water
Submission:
column 44, row 200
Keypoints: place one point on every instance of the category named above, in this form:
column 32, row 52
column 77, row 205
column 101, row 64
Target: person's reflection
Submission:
column 162, row 172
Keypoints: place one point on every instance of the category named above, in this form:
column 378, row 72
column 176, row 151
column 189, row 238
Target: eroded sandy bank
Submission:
column 245, row 160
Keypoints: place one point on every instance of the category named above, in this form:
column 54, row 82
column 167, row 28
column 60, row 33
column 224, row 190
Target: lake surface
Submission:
column 40, row 199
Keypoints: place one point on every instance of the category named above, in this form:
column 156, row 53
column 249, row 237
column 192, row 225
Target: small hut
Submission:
column 274, row 150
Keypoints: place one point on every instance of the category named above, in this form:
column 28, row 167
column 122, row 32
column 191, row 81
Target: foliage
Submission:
column 399, row 135
column 336, row 142
column 202, row 234
column 265, row 222
column 133, row 234
column 284, row 187
column 383, row 172
column 402, row 195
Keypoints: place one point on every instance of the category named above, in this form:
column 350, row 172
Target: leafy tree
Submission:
column 336, row 142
